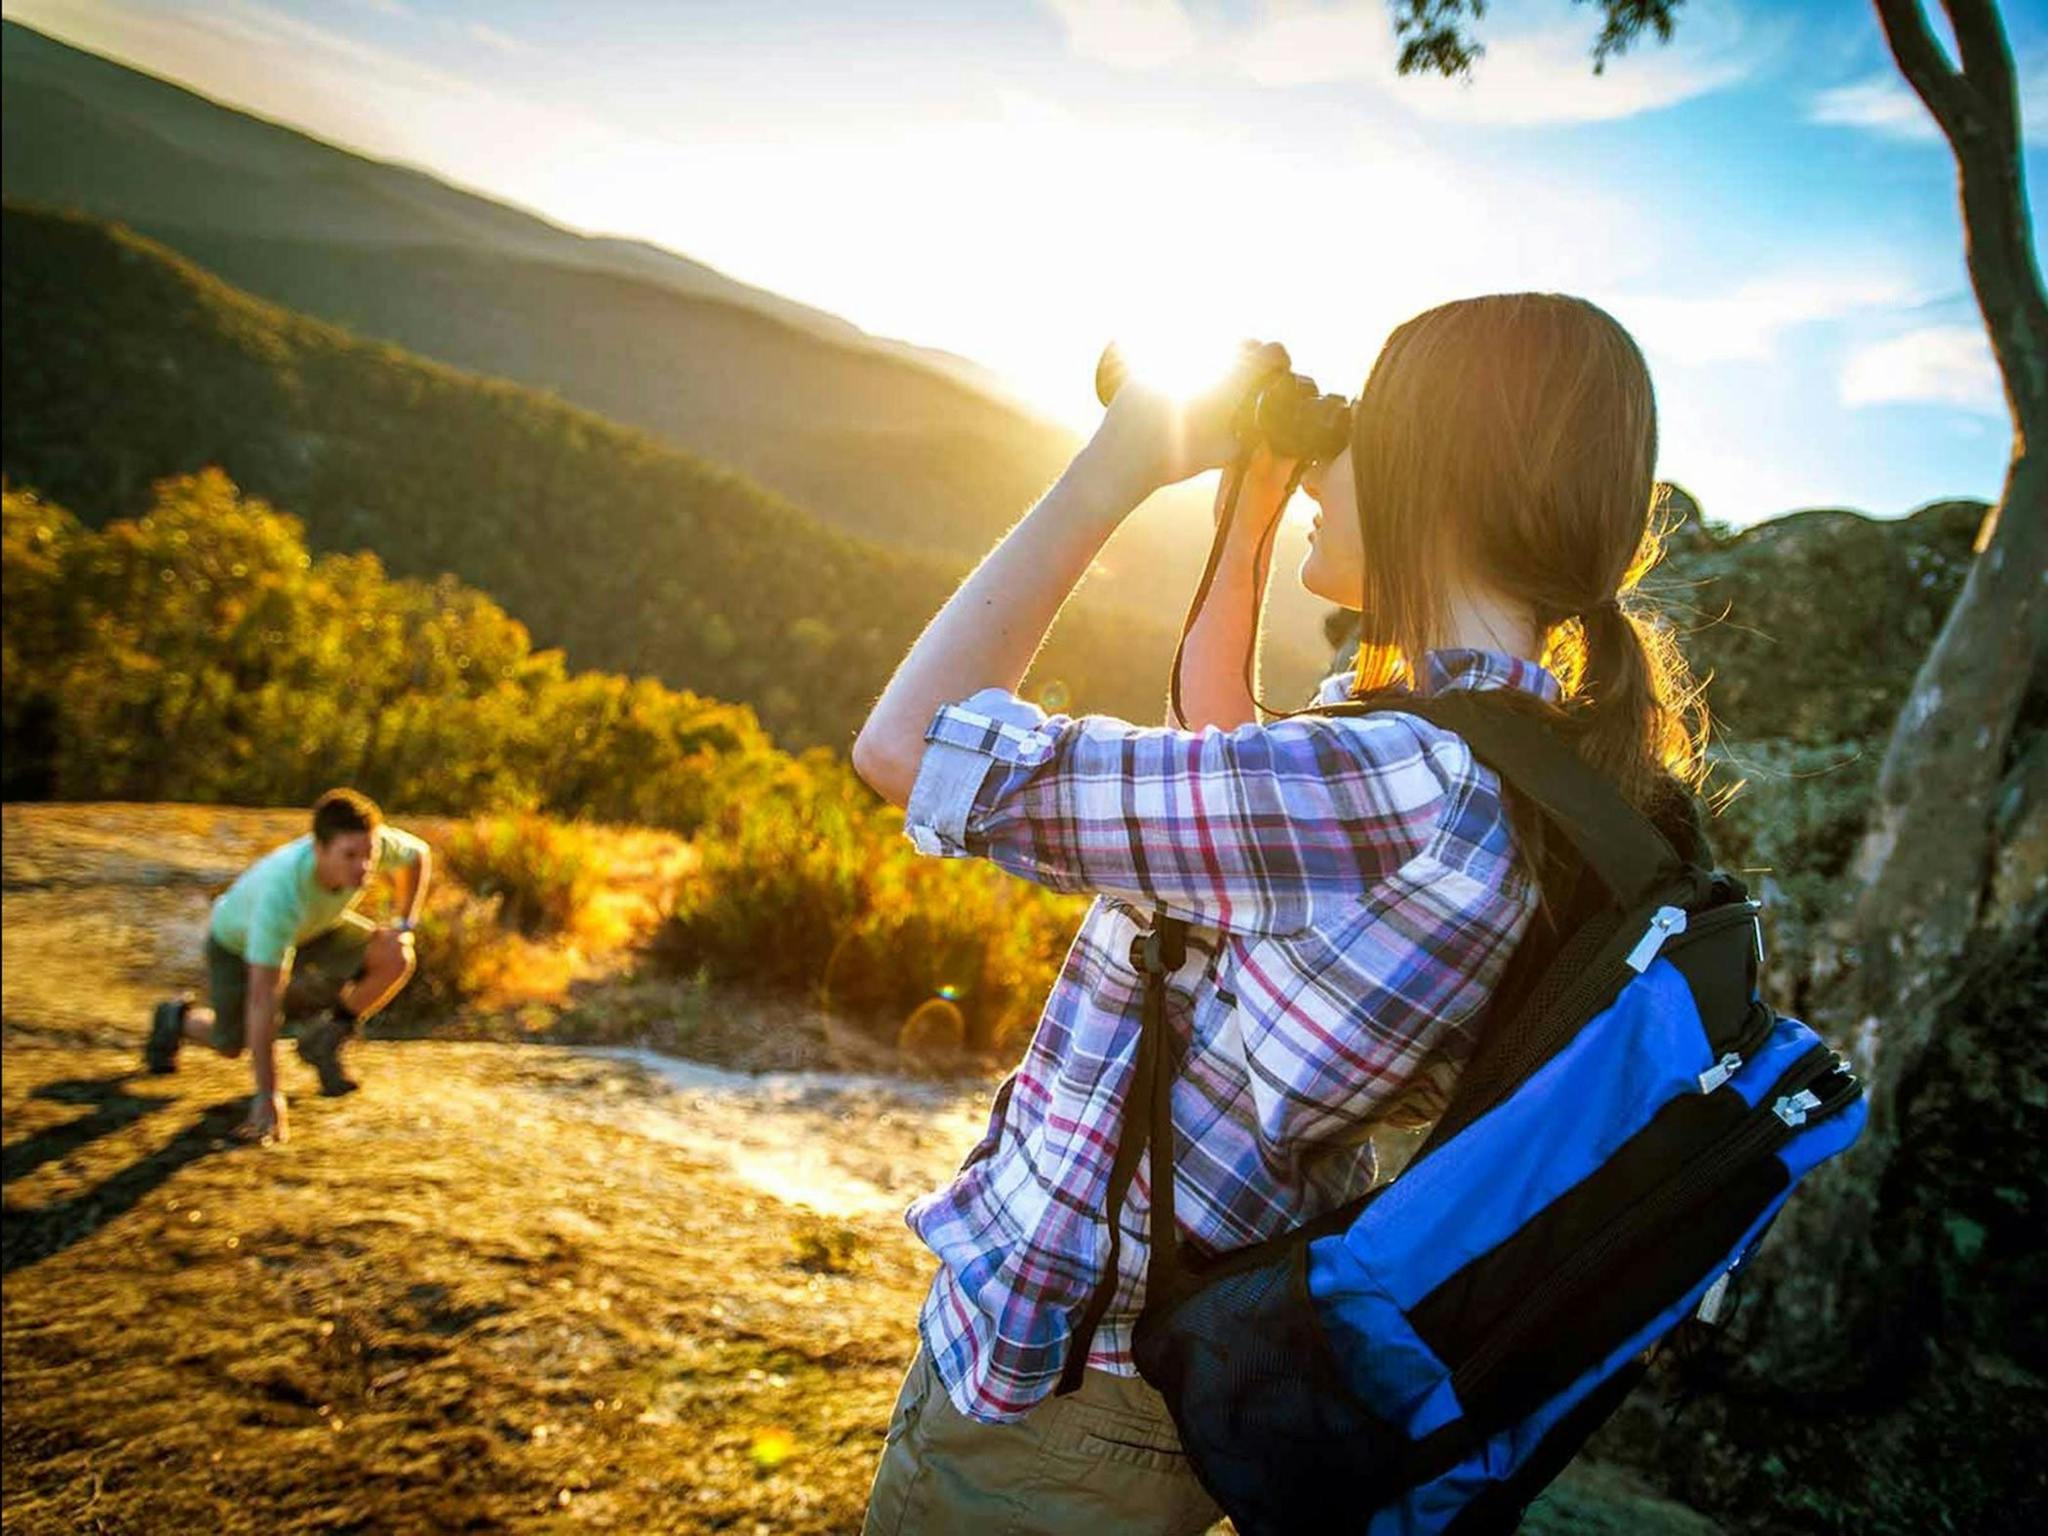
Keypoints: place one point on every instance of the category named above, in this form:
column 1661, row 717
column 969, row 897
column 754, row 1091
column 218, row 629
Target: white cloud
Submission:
column 492, row 38
column 1546, row 76
column 1882, row 103
column 1885, row 104
column 1747, row 324
column 1128, row 34
column 1316, row 45
column 1938, row 365
column 1542, row 74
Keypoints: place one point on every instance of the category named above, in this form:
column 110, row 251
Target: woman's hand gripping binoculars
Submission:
column 1259, row 403
column 1262, row 423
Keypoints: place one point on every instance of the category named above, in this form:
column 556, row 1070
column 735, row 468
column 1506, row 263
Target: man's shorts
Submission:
column 321, row 967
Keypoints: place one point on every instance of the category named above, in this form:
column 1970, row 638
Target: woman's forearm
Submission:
column 1212, row 669
column 989, row 630
column 1212, row 673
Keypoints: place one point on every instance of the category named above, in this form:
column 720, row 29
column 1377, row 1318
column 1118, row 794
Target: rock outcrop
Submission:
column 1809, row 629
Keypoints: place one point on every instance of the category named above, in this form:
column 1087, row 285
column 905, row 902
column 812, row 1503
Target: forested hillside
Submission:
column 875, row 445
column 124, row 363
column 907, row 445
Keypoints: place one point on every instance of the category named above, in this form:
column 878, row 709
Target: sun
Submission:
column 1184, row 360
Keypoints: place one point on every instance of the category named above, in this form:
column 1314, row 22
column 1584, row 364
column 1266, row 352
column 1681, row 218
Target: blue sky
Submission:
column 1763, row 203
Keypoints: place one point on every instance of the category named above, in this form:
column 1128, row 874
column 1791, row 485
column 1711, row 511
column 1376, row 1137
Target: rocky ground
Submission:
column 508, row 1286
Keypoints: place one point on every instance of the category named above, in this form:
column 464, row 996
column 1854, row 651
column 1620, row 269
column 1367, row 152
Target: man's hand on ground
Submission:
column 267, row 1121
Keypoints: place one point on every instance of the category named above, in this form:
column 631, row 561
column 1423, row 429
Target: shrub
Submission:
column 810, row 887
column 543, row 874
column 465, row 955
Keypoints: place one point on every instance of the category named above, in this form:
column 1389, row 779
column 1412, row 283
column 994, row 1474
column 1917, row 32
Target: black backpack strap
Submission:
column 1147, row 1123
column 1621, row 845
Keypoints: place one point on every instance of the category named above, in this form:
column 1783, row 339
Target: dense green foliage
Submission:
column 123, row 364
column 200, row 653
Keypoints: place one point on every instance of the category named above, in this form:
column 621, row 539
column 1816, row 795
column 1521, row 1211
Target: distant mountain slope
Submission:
column 88, row 133
column 898, row 443
column 121, row 363
column 824, row 425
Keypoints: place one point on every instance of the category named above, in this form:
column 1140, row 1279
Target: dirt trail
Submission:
column 505, row 1287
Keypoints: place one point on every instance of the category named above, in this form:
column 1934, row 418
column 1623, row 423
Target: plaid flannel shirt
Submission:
column 1352, row 892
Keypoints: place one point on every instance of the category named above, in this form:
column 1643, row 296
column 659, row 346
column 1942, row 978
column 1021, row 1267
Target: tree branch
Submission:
column 1920, row 60
column 1987, row 63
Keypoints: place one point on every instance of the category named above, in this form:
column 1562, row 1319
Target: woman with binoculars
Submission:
column 1353, row 887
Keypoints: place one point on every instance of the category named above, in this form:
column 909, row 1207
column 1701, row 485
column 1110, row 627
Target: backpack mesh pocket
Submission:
column 1264, row 1414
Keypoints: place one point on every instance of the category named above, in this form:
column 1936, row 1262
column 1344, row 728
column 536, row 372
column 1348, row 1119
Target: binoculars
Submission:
column 1279, row 408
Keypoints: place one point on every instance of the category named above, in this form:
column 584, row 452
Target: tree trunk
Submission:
column 1933, row 851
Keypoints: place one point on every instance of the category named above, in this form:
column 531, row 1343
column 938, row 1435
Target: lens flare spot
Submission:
column 936, row 1024
column 771, row 1448
column 1054, row 696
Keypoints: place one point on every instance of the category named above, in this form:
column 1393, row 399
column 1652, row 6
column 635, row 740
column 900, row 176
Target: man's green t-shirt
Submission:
column 276, row 904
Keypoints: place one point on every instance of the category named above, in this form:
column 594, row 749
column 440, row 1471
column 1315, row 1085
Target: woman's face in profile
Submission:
column 1334, row 568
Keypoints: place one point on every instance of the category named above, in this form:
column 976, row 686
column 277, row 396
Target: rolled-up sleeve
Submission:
column 961, row 744
column 1248, row 829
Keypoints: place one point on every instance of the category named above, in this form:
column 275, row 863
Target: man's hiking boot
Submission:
column 319, row 1046
column 166, row 1034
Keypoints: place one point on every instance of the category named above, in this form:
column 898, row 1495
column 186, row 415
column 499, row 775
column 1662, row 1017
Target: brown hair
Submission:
column 1513, row 439
column 344, row 810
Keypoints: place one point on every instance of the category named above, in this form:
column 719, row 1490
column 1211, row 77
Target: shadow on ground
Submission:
column 29, row 1235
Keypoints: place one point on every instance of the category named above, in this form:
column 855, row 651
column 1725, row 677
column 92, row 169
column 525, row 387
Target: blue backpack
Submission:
column 1426, row 1358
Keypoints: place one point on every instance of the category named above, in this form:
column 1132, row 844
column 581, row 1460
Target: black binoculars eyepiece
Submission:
column 1279, row 408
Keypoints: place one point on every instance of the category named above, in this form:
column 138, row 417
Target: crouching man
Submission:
column 296, row 905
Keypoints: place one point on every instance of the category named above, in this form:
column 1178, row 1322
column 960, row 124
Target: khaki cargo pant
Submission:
column 322, row 966
column 1104, row 1461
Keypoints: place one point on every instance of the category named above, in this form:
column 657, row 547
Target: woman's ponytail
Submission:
column 1639, row 716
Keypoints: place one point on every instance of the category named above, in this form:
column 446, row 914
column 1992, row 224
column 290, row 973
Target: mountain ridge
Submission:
column 123, row 362
column 30, row 53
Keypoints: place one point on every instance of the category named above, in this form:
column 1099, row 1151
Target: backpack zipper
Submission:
column 1790, row 1105
column 1763, row 1019
column 1664, row 922
column 1604, row 981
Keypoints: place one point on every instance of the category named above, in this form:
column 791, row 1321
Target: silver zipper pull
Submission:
column 1666, row 922
column 1793, row 1108
column 1716, row 1297
column 1720, row 1072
